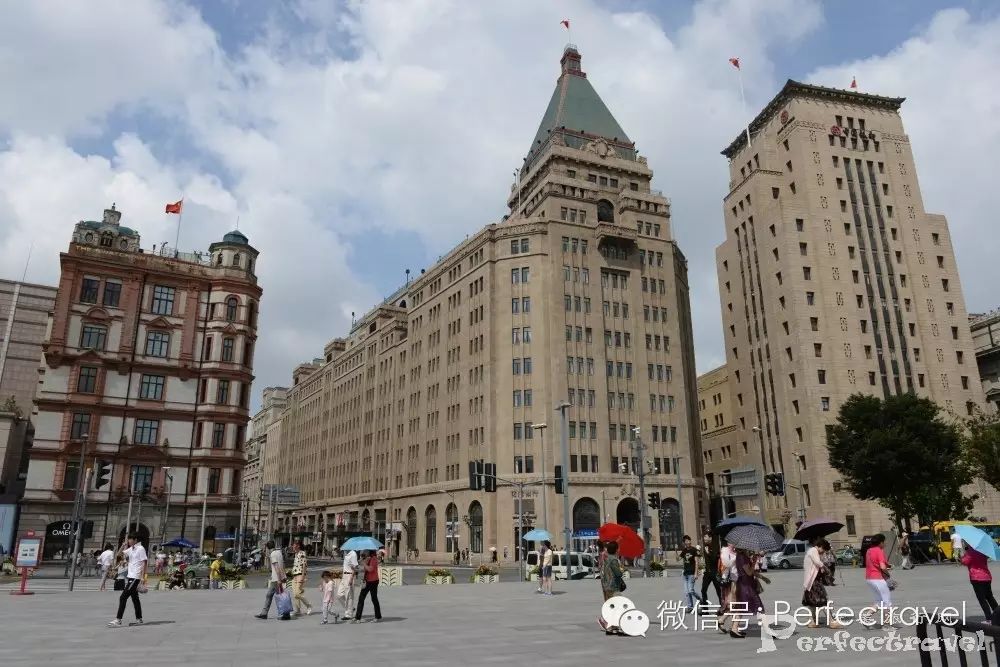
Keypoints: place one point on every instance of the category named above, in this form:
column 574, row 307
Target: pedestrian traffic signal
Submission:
column 475, row 475
column 559, row 479
column 103, row 475
column 490, row 478
column 654, row 500
column 774, row 484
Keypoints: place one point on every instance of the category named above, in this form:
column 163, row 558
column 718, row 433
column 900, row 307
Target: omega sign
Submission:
column 64, row 529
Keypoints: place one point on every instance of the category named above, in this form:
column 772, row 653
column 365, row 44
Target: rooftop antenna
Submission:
column 237, row 223
column 26, row 261
column 352, row 318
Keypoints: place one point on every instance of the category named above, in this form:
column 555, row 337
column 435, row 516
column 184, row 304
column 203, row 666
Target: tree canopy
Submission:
column 900, row 453
column 982, row 446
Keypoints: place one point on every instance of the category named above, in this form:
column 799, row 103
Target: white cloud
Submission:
column 947, row 73
column 410, row 116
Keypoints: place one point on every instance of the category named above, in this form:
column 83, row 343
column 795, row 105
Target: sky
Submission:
column 353, row 140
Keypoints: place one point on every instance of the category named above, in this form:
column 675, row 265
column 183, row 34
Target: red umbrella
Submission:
column 630, row 545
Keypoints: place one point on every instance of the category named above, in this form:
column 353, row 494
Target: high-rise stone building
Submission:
column 579, row 295
column 263, row 457
column 985, row 329
column 147, row 366
column 833, row 280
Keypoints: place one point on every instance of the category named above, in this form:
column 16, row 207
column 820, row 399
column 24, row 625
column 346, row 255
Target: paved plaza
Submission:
column 431, row 625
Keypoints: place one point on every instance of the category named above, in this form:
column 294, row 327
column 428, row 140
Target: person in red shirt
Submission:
column 877, row 574
column 370, row 567
column 980, row 578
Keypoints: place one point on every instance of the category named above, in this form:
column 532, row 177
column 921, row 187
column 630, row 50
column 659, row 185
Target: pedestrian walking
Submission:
column 506, row 553
column 817, row 576
column 904, row 551
column 106, row 560
column 277, row 581
column 956, row 546
column 710, row 575
column 299, row 567
column 135, row 579
column 877, row 575
column 327, row 585
column 215, row 573
column 371, row 588
column 612, row 580
column 545, row 560
column 349, row 574
column 981, row 579
column 688, row 555
column 748, row 587
column 728, row 574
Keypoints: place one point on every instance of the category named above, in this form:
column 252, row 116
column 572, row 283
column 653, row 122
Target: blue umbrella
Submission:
column 181, row 543
column 727, row 525
column 979, row 540
column 537, row 535
column 363, row 543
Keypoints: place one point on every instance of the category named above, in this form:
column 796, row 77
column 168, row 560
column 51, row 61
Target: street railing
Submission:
column 944, row 643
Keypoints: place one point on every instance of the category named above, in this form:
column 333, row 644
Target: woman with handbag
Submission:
column 817, row 578
column 371, row 587
column 878, row 577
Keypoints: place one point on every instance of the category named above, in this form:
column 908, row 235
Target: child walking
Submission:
column 327, row 586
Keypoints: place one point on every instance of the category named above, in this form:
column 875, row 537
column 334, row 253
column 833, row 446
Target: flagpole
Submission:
column 177, row 239
column 739, row 76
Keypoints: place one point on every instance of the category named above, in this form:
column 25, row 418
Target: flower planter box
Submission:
column 234, row 585
column 656, row 573
column 390, row 576
column 532, row 577
column 162, row 585
column 439, row 580
column 486, row 579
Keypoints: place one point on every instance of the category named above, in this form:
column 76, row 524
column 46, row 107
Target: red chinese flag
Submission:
column 175, row 207
column 565, row 23
column 854, row 83
column 735, row 62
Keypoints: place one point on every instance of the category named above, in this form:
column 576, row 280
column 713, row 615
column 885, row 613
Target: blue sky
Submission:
column 356, row 139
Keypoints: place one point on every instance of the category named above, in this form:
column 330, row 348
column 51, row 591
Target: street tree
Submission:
column 982, row 446
column 900, row 453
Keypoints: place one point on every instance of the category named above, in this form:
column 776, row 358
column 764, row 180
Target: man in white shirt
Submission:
column 956, row 546
column 136, row 562
column 350, row 570
column 106, row 559
column 277, row 580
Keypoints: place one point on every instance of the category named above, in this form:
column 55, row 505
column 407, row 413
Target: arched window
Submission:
column 411, row 529
column 476, row 527
column 218, row 259
column 451, row 528
column 586, row 521
column 430, row 529
column 237, row 259
column 107, row 239
column 605, row 211
column 231, row 305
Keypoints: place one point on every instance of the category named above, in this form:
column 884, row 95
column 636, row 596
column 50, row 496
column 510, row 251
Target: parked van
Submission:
column 580, row 565
column 792, row 554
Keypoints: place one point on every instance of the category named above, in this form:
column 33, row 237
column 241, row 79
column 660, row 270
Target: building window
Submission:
column 851, row 529
column 824, row 403
column 80, row 426
column 112, row 294
column 214, row 479
column 218, row 435
column 93, row 337
column 71, row 477
column 157, row 344
column 227, row 349
column 87, row 382
column 88, row 290
column 163, row 300
column 142, row 479
column 151, row 387
column 222, row 392
column 207, row 349
column 146, row 431
column 231, row 306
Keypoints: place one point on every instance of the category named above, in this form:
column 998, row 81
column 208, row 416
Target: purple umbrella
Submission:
column 817, row 528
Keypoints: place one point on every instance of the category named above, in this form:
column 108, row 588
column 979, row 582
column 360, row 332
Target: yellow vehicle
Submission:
column 943, row 529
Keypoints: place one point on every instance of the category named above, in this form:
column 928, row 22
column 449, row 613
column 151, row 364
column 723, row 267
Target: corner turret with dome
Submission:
column 235, row 251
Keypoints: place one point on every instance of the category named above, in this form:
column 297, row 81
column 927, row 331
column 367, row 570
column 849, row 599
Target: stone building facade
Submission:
column 985, row 329
column 833, row 280
column 147, row 368
column 263, row 457
column 579, row 295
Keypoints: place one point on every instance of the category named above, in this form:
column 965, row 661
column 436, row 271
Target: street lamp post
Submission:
column 760, row 478
column 563, row 409
column 637, row 450
column 802, row 498
column 79, row 509
column 545, row 507
column 166, row 512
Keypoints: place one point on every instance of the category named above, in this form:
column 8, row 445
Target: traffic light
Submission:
column 103, row 475
column 475, row 475
column 490, row 478
column 774, row 484
column 559, row 479
column 654, row 500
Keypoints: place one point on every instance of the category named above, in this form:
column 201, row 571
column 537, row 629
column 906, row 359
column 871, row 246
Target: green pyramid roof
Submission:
column 578, row 114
